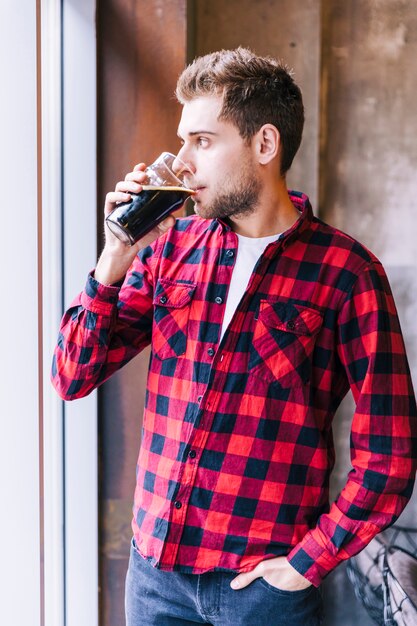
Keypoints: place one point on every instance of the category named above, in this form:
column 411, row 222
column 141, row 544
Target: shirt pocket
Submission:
column 283, row 342
column 172, row 302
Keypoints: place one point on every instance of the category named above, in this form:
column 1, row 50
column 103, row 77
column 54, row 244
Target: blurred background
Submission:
column 88, row 92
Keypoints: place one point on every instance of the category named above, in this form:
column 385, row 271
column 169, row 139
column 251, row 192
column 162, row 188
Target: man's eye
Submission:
column 202, row 141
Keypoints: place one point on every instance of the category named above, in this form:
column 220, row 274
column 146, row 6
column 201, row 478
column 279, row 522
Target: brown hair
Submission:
column 255, row 90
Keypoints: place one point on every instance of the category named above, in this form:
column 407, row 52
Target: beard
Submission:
column 238, row 198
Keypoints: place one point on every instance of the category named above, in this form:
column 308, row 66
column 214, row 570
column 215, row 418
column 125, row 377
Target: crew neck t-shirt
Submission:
column 248, row 252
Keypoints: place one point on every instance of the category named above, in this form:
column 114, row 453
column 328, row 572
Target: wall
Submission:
column 141, row 50
column 368, row 180
column 287, row 30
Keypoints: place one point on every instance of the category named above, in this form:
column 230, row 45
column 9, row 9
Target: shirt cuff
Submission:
column 99, row 298
column 312, row 560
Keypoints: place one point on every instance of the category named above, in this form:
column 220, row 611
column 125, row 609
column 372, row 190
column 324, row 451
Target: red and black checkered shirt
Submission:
column 237, row 443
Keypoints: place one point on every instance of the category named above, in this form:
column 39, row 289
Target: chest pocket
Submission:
column 171, row 302
column 283, row 342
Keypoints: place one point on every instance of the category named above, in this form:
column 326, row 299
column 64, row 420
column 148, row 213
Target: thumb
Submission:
column 243, row 580
column 167, row 223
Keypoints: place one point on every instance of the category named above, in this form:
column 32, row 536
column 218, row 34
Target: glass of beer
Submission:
column 162, row 193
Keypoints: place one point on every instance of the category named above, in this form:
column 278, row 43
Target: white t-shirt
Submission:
column 248, row 252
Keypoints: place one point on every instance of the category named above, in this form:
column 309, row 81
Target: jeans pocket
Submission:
column 298, row 593
column 291, row 608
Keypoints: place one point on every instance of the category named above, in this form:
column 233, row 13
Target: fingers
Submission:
column 115, row 196
column 245, row 579
column 131, row 184
column 128, row 186
column 159, row 230
column 167, row 223
column 137, row 175
column 277, row 571
column 133, row 180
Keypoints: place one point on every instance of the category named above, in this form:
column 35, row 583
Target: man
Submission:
column 260, row 318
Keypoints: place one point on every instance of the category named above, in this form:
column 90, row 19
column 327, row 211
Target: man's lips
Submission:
column 193, row 184
column 197, row 189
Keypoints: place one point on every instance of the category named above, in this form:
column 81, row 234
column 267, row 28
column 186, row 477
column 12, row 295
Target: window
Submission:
column 48, row 452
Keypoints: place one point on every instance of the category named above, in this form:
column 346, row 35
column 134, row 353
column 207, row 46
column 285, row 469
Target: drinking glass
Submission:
column 163, row 193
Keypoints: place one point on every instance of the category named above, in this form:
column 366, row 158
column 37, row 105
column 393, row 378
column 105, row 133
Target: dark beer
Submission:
column 130, row 221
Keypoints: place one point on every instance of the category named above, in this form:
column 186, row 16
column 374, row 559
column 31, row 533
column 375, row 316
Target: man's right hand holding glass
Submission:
column 117, row 257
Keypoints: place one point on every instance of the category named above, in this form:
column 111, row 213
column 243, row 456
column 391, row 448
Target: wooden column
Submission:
column 141, row 51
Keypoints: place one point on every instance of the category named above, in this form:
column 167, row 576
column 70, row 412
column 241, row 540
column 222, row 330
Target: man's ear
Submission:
column 267, row 143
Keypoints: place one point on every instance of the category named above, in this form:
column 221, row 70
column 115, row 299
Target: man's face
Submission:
column 223, row 166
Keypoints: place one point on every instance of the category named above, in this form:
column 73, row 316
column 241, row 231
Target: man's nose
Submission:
column 182, row 165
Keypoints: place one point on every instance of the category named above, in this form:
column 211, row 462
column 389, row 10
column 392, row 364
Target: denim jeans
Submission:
column 157, row 598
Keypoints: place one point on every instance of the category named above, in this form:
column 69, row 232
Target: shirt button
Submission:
column 218, row 300
column 230, row 253
column 199, row 398
column 192, row 454
column 291, row 325
column 163, row 299
column 211, row 351
column 177, row 504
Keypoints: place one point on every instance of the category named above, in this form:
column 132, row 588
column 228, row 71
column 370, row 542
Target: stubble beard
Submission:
column 239, row 201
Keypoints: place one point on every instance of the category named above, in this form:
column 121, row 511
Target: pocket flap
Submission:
column 173, row 294
column 290, row 317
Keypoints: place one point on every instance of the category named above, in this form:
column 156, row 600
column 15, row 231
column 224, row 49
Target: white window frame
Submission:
column 69, row 251
column 80, row 255
column 52, row 283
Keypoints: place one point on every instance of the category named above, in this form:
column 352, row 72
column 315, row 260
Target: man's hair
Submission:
column 255, row 91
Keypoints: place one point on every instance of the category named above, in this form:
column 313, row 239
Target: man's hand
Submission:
column 117, row 257
column 277, row 572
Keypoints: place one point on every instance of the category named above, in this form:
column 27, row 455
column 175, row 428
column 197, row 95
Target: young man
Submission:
column 260, row 318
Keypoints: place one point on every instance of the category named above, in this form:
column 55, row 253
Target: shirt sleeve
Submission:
column 103, row 329
column 383, row 434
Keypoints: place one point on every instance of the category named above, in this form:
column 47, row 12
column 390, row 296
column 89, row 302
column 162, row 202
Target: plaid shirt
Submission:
column 237, row 443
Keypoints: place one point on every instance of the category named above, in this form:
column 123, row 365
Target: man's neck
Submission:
column 275, row 214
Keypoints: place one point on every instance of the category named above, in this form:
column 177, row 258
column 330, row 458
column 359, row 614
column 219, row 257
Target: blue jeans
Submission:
column 157, row 598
